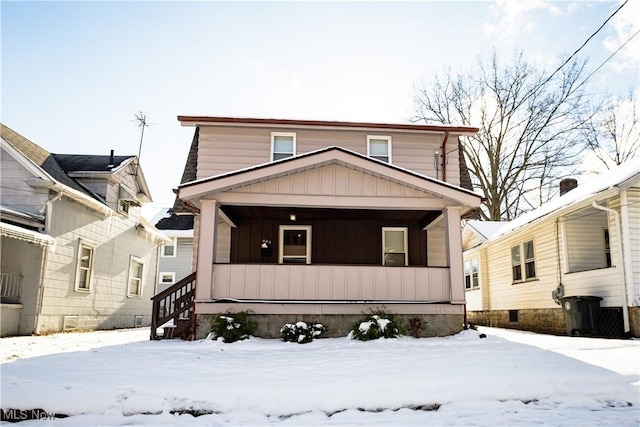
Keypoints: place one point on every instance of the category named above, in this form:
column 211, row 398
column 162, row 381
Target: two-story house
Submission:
column 324, row 220
column 75, row 252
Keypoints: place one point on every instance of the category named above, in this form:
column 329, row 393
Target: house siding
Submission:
column 633, row 206
column 15, row 191
column 225, row 149
column 107, row 304
column 181, row 264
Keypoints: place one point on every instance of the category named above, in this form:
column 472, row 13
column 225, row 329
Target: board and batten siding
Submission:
column 226, row 149
column 332, row 180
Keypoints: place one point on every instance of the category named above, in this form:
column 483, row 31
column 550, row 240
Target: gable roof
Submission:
column 60, row 167
column 485, row 229
column 322, row 157
column 623, row 177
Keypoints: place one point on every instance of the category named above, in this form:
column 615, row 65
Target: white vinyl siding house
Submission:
column 584, row 243
column 76, row 275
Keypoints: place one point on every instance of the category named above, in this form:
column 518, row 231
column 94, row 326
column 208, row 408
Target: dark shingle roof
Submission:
column 190, row 171
column 89, row 163
column 176, row 222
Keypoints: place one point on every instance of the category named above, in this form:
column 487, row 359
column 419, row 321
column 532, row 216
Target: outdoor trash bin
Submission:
column 581, row 314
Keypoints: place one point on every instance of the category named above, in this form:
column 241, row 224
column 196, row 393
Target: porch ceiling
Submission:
column 238, row 213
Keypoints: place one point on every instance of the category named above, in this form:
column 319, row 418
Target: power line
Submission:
column 584, row 44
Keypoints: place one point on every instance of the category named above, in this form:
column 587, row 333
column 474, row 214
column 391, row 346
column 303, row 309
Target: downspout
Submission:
column 625, row 299
column 443, row 151
column 48, row 209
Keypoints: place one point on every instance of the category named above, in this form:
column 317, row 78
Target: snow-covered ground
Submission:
column 508, row 378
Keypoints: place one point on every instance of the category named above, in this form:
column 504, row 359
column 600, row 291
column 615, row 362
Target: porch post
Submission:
column 206, row 250
column 453, row 232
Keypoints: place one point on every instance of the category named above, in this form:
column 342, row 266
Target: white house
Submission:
column 75, row 252
column 585, row 243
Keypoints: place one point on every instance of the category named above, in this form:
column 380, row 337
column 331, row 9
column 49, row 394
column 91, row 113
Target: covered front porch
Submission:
column 331, row 232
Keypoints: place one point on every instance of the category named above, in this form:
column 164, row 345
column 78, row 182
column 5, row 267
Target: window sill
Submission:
column 134, row 296
column 83, row 291
column 521, row 282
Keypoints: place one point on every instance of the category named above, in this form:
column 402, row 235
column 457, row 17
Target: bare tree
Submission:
column 613, row 134
column 530, row 127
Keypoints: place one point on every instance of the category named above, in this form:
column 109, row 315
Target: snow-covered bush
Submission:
column 233, row 327
column 302, row 332
column 377, row 324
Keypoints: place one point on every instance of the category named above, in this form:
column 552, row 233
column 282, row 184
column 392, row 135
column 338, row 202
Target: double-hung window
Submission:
column 169, row 248
column 283, row 145
column 84, row 268
column 523, row 264
column 394, row 246
column 136, row 271
column 379, row 147
column 167, row 278
column 471, row 274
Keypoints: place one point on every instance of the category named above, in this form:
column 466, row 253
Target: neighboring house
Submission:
column 584, row 243
column 75, row 252
column 176, row 255
column 302, row 219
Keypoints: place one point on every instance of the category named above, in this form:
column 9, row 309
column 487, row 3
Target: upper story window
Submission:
column 283, row 145
column 523, row 264
column 394, row 246
column 169, row 248
column 379, row 147
column 471, row 274
column 84, row 269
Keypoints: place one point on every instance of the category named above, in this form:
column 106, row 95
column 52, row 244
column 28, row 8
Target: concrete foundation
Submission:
column 339, row 325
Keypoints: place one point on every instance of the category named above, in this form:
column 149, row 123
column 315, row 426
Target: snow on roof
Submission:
column 486, row 228
column 598, row 184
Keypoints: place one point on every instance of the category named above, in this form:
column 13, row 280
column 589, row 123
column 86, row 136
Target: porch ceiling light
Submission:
column 292, row 216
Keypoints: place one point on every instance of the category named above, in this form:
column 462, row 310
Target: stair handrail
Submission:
column 185, row 300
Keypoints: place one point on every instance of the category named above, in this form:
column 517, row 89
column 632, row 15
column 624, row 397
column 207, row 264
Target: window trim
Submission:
column 389, row 147
column 405, row 231
column 167, row 273
column 522, row 263
column 130, row 276
column 175, row 248
column 474, row 276
column 281, row 231
column 272, row 151
column 92, row 247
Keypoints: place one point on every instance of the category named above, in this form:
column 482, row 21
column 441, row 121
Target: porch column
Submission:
column 453, row 233
column 207, row 236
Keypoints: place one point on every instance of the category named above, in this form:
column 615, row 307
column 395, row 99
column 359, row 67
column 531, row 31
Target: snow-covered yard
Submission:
column 508, row 378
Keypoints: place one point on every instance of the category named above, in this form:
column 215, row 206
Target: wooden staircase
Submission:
column 173, row 310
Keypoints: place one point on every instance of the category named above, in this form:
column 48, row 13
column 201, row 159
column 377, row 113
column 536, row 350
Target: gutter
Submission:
column 443, row 150
column 625, row 297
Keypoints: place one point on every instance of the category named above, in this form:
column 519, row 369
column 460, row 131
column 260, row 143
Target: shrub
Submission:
column 377, row 324
column 302, row 332
column 232, row 327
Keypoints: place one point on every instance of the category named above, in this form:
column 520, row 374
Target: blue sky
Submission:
column 74, row 74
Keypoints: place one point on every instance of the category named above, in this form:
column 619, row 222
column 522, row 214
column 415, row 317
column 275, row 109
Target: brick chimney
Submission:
column 567, row 185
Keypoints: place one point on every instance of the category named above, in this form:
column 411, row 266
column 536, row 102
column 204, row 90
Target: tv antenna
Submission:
column 142, row 123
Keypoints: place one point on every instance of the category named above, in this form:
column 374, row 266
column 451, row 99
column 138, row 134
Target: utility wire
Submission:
column 584, row 44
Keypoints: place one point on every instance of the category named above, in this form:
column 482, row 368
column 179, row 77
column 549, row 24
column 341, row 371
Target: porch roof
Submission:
column 195, row 190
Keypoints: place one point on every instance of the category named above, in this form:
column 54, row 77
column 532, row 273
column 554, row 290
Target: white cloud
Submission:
column 513, row 17
column 626, row 24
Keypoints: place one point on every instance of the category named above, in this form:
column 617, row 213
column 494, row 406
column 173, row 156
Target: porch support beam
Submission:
column 314, row 201
column 453, row 238
column 207, row 242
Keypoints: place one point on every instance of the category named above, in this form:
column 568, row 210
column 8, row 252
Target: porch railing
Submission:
column 10, row 288
column 330, row 282
column 173, row 310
